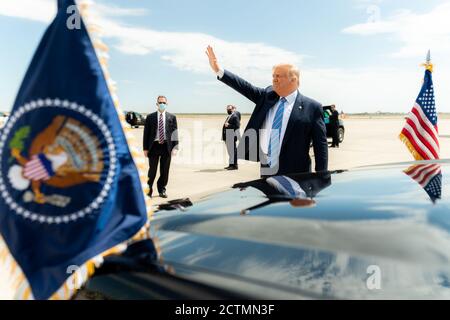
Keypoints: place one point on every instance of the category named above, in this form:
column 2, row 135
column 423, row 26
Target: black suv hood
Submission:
column 369, row 233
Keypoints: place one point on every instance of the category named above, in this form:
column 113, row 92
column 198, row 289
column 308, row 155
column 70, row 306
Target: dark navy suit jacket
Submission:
column 305, row 124
column 234, row 124
column 151, row 127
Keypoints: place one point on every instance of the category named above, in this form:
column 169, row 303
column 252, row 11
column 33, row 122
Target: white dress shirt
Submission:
column 266, row 128
column 220, row 73
column 229, row 116
column 157, row 125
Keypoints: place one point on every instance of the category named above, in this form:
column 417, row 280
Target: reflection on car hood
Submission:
column 379, row 232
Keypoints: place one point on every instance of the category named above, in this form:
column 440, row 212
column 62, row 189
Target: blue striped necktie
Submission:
column 275, row 134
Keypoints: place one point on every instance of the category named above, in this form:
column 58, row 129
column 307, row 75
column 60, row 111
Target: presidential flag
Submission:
column 70, row 191
column 429, row 177
column 420, row 133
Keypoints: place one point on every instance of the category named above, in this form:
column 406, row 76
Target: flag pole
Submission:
column 428, row 65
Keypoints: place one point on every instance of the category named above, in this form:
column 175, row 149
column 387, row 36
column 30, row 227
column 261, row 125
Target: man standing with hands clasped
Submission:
column 230, row 135
column 160, row 144
column 334, row 126
column 283, row 122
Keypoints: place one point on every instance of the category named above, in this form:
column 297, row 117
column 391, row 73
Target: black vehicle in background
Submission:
column 135, row 119
column 341, row 130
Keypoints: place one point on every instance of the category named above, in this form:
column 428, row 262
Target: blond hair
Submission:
column 293, row 71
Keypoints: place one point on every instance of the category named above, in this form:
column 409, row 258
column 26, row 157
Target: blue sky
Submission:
column 362, row 55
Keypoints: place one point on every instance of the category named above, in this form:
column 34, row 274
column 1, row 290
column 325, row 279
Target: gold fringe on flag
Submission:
column 11, row 274
column 410, row 147
column 428, row 66
column 102, row 53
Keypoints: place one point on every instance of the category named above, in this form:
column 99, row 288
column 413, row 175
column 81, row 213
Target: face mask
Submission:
column 229, row 112
column 162, row 106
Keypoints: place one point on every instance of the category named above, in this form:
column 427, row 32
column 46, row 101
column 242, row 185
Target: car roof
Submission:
column 364, row 219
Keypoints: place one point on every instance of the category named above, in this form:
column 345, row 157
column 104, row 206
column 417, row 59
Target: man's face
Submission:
column 283, row 85
column 161, row 101
column 229, row 109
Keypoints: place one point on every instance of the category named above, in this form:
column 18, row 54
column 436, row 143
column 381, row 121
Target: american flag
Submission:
column 429, row 176
column 38, row 168
column 420, row 133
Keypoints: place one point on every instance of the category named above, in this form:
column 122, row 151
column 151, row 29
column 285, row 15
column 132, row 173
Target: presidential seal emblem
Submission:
column 57, row 161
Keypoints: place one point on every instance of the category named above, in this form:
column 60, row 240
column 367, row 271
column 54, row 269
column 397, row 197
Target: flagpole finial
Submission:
column 428, row 65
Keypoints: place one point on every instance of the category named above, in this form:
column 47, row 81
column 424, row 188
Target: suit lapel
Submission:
column 155, row 119
column 295, row 114
column 261, row 116
column 156, row 124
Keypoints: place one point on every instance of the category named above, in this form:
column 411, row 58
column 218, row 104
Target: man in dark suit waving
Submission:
column 160, row 144
column 283, row 123
column 230, row 135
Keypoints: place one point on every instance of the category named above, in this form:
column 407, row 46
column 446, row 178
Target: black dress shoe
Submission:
column 150, row 193
column 232, row 168
column 163, row 194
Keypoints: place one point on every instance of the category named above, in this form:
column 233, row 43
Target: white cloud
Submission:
column 45, row 10
column 416, row 32
column 374, row 89
column 111, row 10
column 182, row 50
column 354, row 90
column 186, row 50
column 395, row 89
column 369, row 5
column 36, row 10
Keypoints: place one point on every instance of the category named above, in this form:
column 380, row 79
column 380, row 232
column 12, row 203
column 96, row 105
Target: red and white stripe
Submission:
column 35, row 170
column 423, row 173
column 422, row 134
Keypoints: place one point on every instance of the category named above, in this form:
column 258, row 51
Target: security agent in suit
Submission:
column 160, row 144
column 237, row 112
column 230, row 135
column 282, row 125
column 334, row 126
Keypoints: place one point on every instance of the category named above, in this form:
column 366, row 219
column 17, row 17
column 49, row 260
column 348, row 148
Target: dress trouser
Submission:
column 335, row 135
column 159, row 153
column 232, row 151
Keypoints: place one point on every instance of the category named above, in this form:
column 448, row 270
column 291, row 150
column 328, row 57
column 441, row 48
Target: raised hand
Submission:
column 212, row 59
